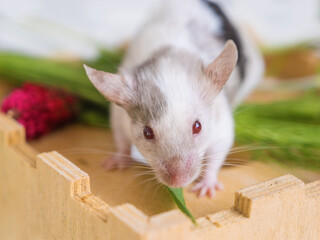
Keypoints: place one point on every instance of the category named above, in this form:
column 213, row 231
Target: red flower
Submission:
column 40, row 109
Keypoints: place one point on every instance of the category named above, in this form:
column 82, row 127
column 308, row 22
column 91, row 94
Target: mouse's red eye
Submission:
column 148, row 133
column 196, row 128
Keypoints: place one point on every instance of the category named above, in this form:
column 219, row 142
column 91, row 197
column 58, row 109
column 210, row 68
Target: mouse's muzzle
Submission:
column 178, row 172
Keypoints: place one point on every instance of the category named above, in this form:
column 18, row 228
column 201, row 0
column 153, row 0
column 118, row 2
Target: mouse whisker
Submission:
column 234, row 165
column 142, row 182
column 257, row 148
column 216, row 154
column 228, row 159
column 132, row 179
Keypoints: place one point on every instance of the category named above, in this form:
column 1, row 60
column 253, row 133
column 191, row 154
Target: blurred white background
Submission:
column 80, row 27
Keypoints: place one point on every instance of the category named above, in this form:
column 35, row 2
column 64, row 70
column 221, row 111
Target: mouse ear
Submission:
column 221, row 68
column 114, row 87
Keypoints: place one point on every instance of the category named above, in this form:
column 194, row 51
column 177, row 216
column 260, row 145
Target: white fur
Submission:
column 168, row 28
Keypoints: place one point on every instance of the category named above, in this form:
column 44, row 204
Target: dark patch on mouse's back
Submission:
column 150, row 101
column 229, row 32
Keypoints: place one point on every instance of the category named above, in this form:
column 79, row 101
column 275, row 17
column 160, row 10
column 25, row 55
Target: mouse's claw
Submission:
column 204, row 188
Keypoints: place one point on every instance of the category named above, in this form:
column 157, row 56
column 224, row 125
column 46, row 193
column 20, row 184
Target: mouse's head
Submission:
column 170, row 101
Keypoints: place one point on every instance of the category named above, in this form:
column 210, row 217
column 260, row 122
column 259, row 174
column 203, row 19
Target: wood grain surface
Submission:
column 87, row 147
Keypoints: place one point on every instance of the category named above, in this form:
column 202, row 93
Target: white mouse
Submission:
column 173, row 97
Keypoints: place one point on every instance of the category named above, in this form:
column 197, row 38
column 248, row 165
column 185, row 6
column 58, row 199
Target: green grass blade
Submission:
column 291, row 128
column 177, row 196
column 18, row 68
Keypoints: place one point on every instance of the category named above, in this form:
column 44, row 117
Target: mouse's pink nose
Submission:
column 175, row 179
column 177, row 173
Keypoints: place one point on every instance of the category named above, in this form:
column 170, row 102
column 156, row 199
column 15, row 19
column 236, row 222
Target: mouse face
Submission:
column 170, row 101
column 174, row 145
column 169, row 123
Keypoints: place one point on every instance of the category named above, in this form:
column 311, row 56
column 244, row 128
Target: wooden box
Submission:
column 46, row 196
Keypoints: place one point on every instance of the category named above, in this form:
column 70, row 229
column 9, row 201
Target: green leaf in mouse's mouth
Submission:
column 177, row 196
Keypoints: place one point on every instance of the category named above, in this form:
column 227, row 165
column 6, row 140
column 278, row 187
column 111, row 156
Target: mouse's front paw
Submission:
column 206, row 187
column 116, row 161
